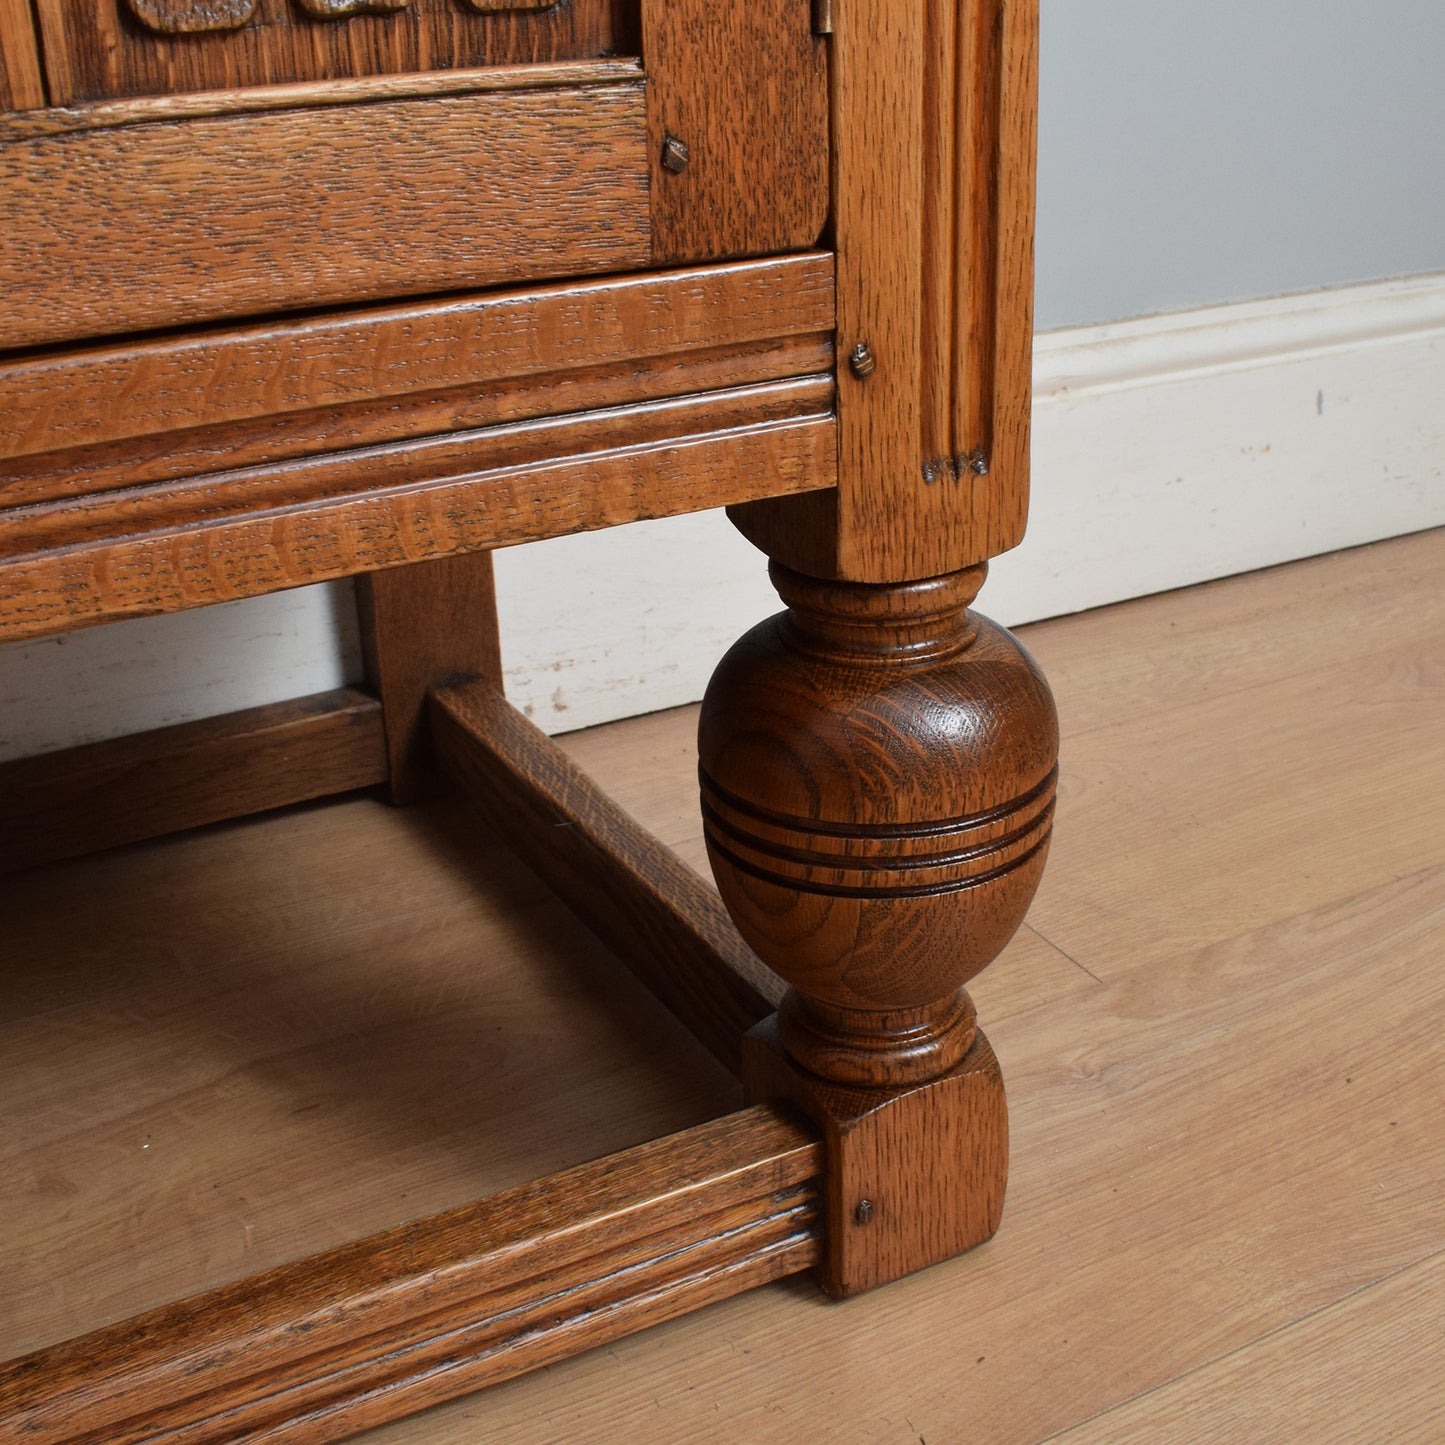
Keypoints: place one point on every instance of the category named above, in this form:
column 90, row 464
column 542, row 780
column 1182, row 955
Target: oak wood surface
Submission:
column 663, row 797
column 1214, row 1178
column 878, row 776
column 269, row 1038
column 191, row 564
column 303, row 208
column 319, row 1349
column 878, row 769
column 94, row 395
column 662, row 920
column 423, row 627
column 74, row 472
column 933, row 124
column 21, row 85
column 1365, row 1368
column 913, row 1176
column 486, row 454
column 83, row 799
column 100, row 51
column 1218, row 1151
column 105, row 114
column 745, row 89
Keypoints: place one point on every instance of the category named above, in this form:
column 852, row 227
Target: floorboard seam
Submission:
column 1249, row 1344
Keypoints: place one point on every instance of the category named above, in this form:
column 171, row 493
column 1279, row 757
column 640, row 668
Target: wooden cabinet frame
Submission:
column 809, row 236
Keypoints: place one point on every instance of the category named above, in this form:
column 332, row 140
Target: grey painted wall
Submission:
column 1194, row 152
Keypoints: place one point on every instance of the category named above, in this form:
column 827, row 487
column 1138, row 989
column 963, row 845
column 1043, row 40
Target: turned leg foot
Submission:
column 877, row 771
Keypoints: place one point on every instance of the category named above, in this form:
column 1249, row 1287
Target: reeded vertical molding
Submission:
column 934, row 131
column 978, row 367
column 934, row 172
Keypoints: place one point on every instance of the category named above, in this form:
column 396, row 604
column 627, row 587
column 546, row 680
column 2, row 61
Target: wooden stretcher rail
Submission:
column 193, row 562
column 484, row 454
column 661, row 919
column 320, row 1349
column 80, row 800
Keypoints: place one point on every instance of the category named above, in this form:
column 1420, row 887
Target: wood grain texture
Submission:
column 255, row 491
column 198, row 17
column 344, row 9
column 1266, row 647
column 84, row 799
column 745, row 88
column 878, row 769
column 268, row 441
column 648, row 766
column 423, row 627
column 303, row 208
column 914, row 1176
column 1204, row 1159
column 1226, row 1156
column 317, row 1350
column 95, row 52
column 256, row 1041
column 1365, row 1368
column 192, row 562
column 21, row 85
column 663, row 921
column 310, row 94
column 546, row 337
column 933, row 171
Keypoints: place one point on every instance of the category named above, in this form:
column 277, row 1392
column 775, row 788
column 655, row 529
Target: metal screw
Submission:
column 862, row 360
column 977, row 462
column 674, row 154
column 864, row 1211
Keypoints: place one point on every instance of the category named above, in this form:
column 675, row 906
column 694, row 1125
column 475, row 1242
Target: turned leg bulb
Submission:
column 878, row 768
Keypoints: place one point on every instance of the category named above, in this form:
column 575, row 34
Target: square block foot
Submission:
column 915, row 1175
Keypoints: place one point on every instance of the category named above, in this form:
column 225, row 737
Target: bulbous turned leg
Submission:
column 878, row 769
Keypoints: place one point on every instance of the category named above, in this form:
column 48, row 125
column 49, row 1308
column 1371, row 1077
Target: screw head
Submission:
column 675, row 154
column 864, row 1212
column 862, row 361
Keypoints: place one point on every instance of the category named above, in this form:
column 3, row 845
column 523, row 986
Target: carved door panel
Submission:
column 112, row 49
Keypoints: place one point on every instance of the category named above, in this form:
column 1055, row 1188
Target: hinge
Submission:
column 822, row 17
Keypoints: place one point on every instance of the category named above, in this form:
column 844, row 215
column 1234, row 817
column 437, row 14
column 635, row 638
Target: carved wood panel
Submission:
column 113, row 49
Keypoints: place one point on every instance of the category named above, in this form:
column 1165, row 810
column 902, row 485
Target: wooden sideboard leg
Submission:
column 422, row 627
column 878, row 768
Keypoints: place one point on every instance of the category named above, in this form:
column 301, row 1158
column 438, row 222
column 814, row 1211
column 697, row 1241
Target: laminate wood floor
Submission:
column 1220, row 1031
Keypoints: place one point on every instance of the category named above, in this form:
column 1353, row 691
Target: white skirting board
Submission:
column 1167, row 451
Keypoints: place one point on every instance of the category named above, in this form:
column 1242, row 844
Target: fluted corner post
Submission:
column 878, row 769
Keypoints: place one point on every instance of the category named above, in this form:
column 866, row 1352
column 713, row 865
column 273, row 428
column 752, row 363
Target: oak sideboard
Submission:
column 299, row 290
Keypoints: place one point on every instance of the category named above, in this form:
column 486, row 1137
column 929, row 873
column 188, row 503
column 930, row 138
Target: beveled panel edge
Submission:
column 305, row 95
